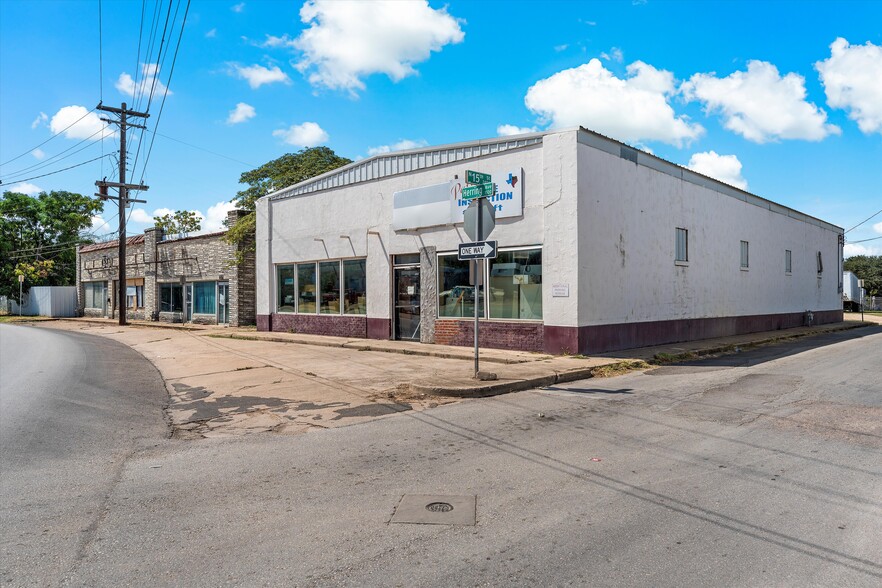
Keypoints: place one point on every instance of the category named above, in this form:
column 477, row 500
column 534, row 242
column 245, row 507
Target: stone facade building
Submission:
column 171, row 279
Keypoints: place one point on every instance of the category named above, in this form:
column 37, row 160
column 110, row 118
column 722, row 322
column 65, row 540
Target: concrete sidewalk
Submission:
column 225, row 381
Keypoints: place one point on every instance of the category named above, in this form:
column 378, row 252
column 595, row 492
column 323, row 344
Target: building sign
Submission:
column 508, row 199
column 442, row 204
column 560, row 290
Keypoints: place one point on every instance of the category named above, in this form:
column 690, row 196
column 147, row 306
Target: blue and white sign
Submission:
column 509, row 197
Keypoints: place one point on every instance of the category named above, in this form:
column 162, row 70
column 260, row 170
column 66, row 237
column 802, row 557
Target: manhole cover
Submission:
column 435, row 509
column 439, row 507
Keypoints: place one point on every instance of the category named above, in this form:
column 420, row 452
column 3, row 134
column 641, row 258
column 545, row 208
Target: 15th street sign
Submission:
column 473, row 177
column 477, row 250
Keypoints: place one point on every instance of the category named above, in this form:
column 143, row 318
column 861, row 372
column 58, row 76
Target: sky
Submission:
column 783, row 99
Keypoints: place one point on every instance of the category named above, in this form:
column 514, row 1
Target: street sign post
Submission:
column 473, row 177
column 478, row 191
column 20, row 282
column 477, row 250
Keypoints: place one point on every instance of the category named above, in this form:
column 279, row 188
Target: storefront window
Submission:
column 306, row 287
column 204, row 299
column 354, row 287
column 287, row 289
column 135, row 293
column 329, row 277
column 515, row 288
column 171, row 298
column 95, row 295
column 456, row 297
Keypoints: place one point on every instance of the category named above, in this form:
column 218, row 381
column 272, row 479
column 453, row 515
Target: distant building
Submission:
column 601, row 247
column 180, row 279
column 852, row 293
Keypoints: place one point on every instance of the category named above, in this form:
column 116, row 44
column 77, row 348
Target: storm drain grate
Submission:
column 422, row 509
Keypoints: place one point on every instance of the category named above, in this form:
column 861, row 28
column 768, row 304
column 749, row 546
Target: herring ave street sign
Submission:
column 479, row 191
column 477, row 250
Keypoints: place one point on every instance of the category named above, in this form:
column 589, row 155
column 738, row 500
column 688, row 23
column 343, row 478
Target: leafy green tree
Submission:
column 45, row 228
column 869, row 269
column 285, row 171
column 181, row 222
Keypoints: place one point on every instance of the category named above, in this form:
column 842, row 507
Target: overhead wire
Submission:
column 58, row 171
column 52, row 160
column 865, row 220
column 49, row 139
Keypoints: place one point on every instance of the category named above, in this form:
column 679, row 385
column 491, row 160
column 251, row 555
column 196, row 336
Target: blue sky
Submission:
column 784, row 98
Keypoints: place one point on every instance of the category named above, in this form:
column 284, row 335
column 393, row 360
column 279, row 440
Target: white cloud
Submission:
column 24, row 188
column 41, row 119
column 211, row 34
column 509, row 130
column 632, row 109
column 83, row 124
column 147, row 85
column 760, row 104
column 238, row 7
column 615, row 54
column 139, row 215
column 348, row 40
column 309, row 134
column 241, row 113
column 257, row 75
column 215, row 217
column 851, row 249
column 878, row 228
column 100, row 224
column 38, row 153
column 560, row 48
column 852, row 79
column 725, row 168
column 273, row 42
column 402, row 145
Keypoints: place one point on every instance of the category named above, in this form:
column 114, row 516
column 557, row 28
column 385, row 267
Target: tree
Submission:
column 181, row 222
column 285, row 171
column 869, row 269
column 41, row 229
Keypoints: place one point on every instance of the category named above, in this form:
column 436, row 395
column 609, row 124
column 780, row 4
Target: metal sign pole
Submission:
column 477, row 283
column 21, row 281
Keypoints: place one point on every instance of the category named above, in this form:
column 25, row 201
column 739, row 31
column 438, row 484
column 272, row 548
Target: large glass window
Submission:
column 171, row 298
column 287, row 289
column 306, row 287
column 456, row 297
column 515, row 287
column 204, row 299
column 95, row 295
column 135, row 293
column 329, row 280
column 354, row 287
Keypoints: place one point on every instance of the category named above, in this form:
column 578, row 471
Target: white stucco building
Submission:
column 601, row 247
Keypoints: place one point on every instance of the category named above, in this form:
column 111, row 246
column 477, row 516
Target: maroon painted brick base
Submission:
column 493, row 334
column 314, row 324
column 551, row 339
column 602, row 338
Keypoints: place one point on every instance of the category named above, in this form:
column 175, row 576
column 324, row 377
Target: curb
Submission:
column 172, row 326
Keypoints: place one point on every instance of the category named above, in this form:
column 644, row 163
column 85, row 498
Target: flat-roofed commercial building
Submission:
column 601, row 247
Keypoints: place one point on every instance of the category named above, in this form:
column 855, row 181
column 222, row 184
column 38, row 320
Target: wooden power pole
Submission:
column 123, row 197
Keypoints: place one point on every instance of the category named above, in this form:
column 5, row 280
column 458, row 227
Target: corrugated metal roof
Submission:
column 402, row 162
column 112, row 244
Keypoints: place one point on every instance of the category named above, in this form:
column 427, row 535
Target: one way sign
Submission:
column 478, row 250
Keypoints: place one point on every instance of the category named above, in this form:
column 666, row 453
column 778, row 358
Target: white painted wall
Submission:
column 628, row 216
column 357, row 209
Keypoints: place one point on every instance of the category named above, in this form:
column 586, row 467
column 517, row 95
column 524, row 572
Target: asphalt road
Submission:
column 755, row 469
column 73, row 408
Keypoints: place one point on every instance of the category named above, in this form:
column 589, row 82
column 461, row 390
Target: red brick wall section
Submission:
column 317, row 324
column 492, row 334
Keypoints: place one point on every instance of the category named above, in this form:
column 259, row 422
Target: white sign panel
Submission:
column 428, row 206
column 509, row 198
column 560, row 290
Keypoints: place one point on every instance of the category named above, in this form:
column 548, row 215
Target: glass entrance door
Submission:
column 188, row 302
column 407, row 303
column 223, row 306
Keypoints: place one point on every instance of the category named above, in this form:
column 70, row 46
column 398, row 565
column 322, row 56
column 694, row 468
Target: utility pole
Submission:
column 123, row 197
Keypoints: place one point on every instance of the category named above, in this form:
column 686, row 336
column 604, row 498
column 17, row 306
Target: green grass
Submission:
column 14, row 318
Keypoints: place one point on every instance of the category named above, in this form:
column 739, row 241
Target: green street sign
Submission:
column 473, row 177
column 479, row 191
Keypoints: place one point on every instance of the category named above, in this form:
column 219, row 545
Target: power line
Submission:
column 47, row 162
column 863, row 221
column 49, row 139
column 100, row 56
column 863, row 240
column 58, row 171
column 201, row 149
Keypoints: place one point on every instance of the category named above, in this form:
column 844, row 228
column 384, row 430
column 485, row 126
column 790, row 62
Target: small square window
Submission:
column 682, row 245
column 788, row 267
column 745, row 255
